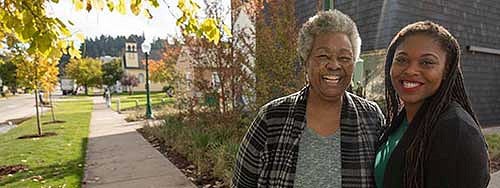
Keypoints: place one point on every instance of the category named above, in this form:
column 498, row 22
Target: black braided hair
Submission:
column 451, row 89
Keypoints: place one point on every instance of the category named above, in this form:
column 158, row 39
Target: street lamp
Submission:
column 146, row 48
column 1, row 87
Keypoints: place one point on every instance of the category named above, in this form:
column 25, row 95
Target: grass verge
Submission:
column 493, row 141
column 128, row 102
column 55, row 161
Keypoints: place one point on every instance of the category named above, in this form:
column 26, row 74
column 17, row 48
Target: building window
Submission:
column 188, row 79
column 328, row 4
column 141, row 78
column 215, row 80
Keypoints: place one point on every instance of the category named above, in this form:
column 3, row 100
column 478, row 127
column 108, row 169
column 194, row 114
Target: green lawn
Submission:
column 59, row 160
column 493, row 141
column 128, row 101
column 77, row 97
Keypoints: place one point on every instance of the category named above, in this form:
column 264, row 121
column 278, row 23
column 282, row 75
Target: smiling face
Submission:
column 330, row 65
column 417, row 68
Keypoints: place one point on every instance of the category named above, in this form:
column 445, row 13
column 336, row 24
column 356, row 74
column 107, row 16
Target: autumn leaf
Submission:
column 73, row 52
column 135, row 7
column 210, row 30
column 80, row 37
column 78, row 4
column 111, row 5
column 99, row 4
column 154, row 3
column 181, row 4
column 121, row 7
column 147, row 13
column 89, row 6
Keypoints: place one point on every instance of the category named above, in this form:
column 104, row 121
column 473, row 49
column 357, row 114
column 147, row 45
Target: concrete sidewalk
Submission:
column 495, row 180
column 118, row 156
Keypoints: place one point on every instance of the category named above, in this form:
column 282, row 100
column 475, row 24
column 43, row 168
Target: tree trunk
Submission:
column 86, row 90
column 223, row 94
column 38, row 125
column 52, row 106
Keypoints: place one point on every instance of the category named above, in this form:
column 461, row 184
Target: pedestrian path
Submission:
column 495, row 180
column 119, row 157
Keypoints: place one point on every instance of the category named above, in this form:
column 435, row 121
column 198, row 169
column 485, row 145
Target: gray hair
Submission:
column 324, row 22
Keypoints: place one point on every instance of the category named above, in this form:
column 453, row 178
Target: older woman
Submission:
column 321, row 136
column 434, row 139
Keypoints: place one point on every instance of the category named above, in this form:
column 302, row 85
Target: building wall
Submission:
column 305, row 9
column 142, row 85
column 184, row 66
column 475, row 23
column 366, row 13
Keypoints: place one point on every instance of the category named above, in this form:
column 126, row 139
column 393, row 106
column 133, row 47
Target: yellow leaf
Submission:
column 121, row 7
column 227, row 31
column 65, row 31
column 181, row 4
column 147, row 14
column 89, row 5
column 192, row 22
column 73, row 52
column 154, row 3
column 80, row 37
column 99, row 4
column 62, row 44
column 78, row 4
column 181, row 20
column 111, row 5
column 210, row 30
column 135, row 7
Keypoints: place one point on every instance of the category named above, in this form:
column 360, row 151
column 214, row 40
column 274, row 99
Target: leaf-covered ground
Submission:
column 54, row 161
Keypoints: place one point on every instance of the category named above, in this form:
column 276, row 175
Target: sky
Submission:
column 96, row 22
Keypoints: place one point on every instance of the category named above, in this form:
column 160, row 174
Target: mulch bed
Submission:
column 47, row 134
column 53, row 122
column 495, row 164
column 188, row 168
column 12, row 169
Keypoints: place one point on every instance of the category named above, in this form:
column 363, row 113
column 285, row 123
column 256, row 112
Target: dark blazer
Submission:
column 458, row 157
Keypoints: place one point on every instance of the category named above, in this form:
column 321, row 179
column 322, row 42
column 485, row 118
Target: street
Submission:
column 16, row 107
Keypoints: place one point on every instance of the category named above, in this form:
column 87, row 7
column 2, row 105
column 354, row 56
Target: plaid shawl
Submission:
column 269, row 151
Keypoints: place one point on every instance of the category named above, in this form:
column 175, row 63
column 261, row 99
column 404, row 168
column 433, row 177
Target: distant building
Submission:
column 134, row 64
column 476, row 25
column 190, row 63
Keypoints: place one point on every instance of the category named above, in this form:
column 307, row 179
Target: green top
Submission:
column 384, row 154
